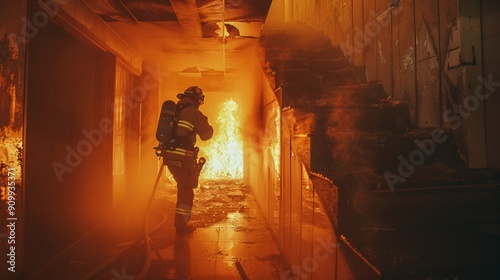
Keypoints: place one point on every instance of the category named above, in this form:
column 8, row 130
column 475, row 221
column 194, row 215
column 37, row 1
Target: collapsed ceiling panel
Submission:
column 151, row 10
column 188, row 36
column 133, row 10
column 233, row 10
column 110, row 10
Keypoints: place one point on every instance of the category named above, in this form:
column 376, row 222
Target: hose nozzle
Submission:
column 201, row 161
column 159, row 150
column 198, row 166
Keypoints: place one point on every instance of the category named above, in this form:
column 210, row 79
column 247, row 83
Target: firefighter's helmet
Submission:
column 193, row 92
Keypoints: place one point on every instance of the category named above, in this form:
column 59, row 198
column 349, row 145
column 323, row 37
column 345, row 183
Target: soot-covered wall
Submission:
column 431, row 54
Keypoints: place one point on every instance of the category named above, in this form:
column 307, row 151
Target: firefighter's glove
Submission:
column 199, row 165
column 159, row 150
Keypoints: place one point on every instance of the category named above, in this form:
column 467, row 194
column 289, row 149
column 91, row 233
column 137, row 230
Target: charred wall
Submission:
column 428, row 53
column 398, row 42
column 421, row 61
column 12, row 76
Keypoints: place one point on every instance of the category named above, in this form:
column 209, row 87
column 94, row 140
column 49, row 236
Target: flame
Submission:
column 224, row 152
column 276, row 144
column 11, row 151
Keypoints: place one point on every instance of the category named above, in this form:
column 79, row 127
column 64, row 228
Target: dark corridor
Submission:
column 353, row 139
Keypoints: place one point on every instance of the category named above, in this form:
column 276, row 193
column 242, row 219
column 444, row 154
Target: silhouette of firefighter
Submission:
column 180, row 153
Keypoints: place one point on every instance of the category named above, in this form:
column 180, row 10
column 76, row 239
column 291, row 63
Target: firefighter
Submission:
column 180, row 154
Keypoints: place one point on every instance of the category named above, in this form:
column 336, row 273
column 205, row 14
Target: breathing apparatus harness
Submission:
column 182, row 142
column 177, row 140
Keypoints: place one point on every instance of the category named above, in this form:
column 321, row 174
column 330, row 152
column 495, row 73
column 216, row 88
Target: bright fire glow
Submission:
column 276, row 145
column 224, row 152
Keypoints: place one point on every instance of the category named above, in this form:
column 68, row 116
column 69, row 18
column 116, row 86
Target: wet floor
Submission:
column 231, row 241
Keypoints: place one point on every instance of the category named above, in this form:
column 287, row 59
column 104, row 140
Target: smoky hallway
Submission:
column 353, row 139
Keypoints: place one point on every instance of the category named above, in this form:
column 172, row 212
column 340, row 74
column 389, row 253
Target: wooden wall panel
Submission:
column 358, row 34
column 429, row 112
column 406, row 14
column 427, row 28
column 384, row 50
column 428, row 68
column 381, row 6
column 449, row 46
column 396, row 54
column 370, row 50
column 491, row 65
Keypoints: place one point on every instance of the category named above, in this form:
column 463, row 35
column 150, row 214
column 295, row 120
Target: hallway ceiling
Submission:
column 185, row 36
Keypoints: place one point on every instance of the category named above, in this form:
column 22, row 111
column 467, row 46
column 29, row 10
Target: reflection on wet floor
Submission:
column 232, row 241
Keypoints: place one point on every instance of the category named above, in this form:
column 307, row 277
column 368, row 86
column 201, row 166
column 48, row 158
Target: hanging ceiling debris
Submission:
column 214, row 35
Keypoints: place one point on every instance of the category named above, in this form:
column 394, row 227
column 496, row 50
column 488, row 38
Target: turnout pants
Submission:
column 187, row 180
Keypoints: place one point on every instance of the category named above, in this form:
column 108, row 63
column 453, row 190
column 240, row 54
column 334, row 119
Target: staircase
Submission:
column 363, row 141
column 359, row 133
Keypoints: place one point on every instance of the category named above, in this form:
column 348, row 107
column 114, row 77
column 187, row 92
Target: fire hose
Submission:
column 131, row 244
column 146, row 233
column 145, row 237
column 147, row 261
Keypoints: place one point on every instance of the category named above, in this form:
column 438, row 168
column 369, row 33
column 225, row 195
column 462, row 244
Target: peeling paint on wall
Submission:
column 10, row 82
column 380, row 54
column 452, row 76
column 12, row 63
column 11, row 103
column 361, row 29
column 408, row 58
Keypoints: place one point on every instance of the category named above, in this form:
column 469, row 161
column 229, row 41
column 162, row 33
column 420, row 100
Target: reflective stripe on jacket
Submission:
column 170, row 154
column 191, row 122
column 185, row 124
